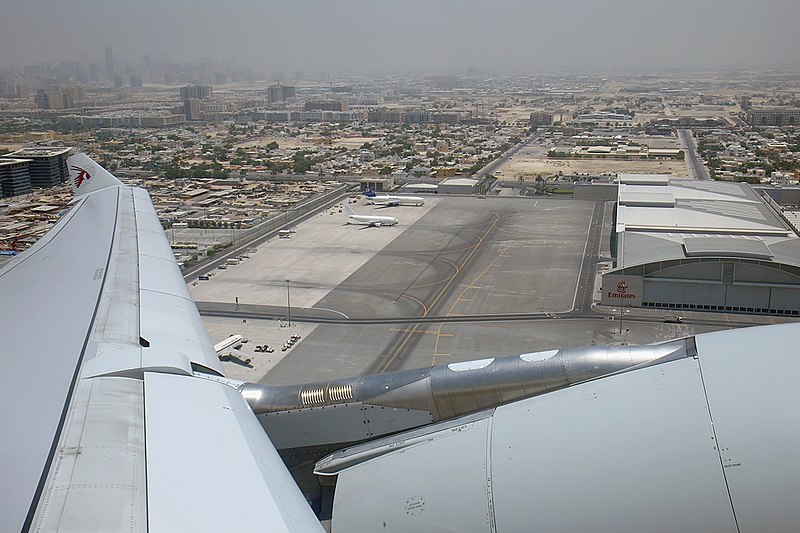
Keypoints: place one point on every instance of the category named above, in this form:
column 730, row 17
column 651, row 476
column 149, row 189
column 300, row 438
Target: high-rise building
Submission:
column 74, row 95
column 200, row 92
column 59, row 98
column 48, row 165
column 418, row 117
column 50, row 99
column 325, row 105
column 95, row 72
column 192, row 109
column 280, row 93
column 541, row 118
column 109, row 63
column 15, row 178
column 445, row 118
column 15, row 88
column 389, row 115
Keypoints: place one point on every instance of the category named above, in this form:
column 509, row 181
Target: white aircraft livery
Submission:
column 115, row 344
column 368, row 220
column 389, row 200
column 116, row 415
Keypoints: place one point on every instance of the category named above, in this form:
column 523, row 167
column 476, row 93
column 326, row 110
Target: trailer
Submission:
column 233, row 342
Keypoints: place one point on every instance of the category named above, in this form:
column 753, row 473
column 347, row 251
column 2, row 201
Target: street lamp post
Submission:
column 288, row 302
column 621, row 311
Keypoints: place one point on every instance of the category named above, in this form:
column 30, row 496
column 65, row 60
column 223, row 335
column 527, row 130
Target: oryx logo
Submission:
column 622, row 287
column 82, row 176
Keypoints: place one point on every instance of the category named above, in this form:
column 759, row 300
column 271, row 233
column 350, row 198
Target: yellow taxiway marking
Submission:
column 386, row 366
column 414, row 330
column 470, row 285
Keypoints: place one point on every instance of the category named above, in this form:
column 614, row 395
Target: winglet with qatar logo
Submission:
column 86, row 176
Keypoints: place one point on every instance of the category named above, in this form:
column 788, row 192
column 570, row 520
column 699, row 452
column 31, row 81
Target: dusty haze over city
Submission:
column 411, row 36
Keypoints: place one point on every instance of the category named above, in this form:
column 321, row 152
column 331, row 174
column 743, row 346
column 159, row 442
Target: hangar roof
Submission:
column 705, row 245
column 644, row 179
column 697, row 207
column 682, row 219
column 646, row 247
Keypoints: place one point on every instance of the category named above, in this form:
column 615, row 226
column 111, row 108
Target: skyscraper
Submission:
column 192, row 109
column 200, row 92
column 109, row 63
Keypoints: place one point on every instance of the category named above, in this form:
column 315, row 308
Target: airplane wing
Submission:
column 115, row 410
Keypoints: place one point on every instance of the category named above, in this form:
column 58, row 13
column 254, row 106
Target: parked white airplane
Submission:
column 368, row 220
column 389, row 200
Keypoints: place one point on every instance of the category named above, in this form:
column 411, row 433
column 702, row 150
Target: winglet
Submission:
column 86, row 176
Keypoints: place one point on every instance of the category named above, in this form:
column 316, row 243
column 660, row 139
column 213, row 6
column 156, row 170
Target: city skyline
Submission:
column 447, row 37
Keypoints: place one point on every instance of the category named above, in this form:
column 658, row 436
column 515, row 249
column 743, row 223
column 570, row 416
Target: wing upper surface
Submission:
column 50, row 296
column 90, row 310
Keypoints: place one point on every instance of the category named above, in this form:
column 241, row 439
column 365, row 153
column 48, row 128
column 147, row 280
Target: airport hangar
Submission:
column 703, row 246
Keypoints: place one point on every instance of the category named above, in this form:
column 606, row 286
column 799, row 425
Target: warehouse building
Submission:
column 699, row 245
column 47, row 165
column 15, row 177
column 459, row 186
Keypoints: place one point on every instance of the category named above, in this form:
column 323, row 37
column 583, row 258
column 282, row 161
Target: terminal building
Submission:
column 700, row 245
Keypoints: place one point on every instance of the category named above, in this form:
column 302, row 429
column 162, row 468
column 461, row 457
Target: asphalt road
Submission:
column 503, row 159
column 696, row 167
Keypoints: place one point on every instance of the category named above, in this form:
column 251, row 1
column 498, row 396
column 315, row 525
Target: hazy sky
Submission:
column 407, row 35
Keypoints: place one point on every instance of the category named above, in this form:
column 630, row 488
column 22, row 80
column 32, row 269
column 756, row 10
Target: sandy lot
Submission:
column 353, row 142
column 283, row 142
column 531, row 167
